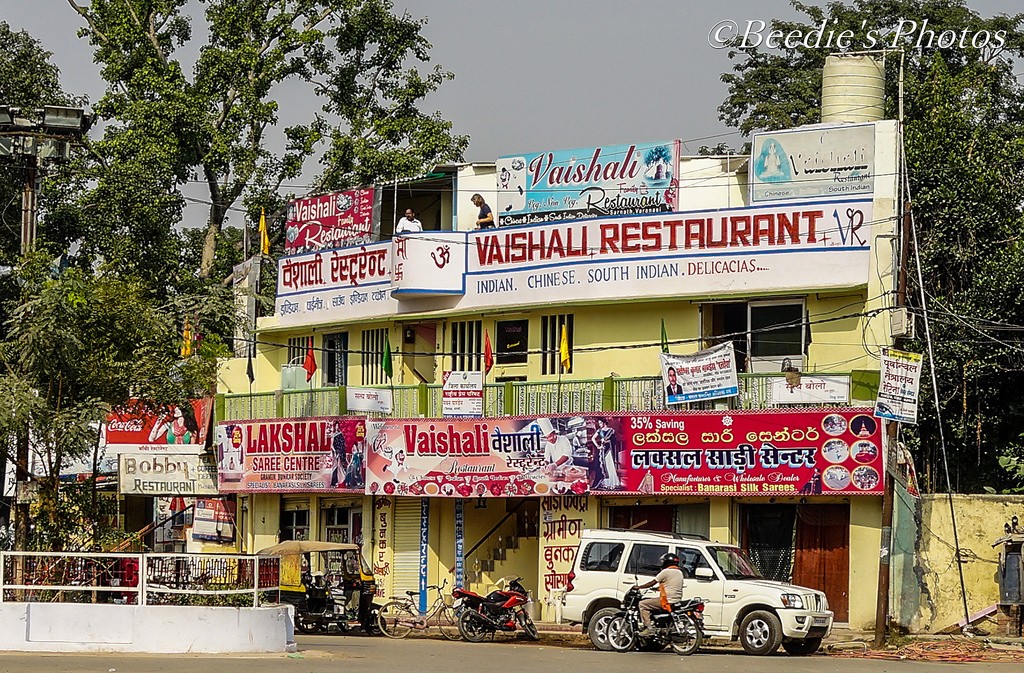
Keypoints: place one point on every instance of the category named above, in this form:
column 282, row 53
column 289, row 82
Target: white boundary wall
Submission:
column 71, row 627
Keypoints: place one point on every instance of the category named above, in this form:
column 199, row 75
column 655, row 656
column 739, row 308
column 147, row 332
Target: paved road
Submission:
column 356, row 654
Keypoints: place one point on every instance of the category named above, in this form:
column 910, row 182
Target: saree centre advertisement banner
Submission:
column 321, row 455
column 730, row 453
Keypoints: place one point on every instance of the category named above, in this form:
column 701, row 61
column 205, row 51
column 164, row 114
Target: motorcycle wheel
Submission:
column 686, row 638
column 528, row 626
column 472, row 629
column 307, row 623
column 621, row 636
column 448, row 623
column 395, row 619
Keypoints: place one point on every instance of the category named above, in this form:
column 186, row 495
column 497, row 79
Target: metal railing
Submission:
column 517, row 398
column 137, row 579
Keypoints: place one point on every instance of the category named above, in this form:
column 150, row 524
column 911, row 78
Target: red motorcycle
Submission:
column 500, row 610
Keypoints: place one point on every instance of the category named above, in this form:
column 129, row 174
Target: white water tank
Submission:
column 852, row 89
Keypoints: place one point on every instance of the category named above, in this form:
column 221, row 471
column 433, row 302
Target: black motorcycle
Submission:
column 682, row 628
column 501, row 610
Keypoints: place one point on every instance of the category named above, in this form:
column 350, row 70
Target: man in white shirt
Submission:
column 409, row 224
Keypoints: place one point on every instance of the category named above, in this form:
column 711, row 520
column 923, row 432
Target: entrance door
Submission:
column 645, row 517
column 768, row 539
column 823, row 554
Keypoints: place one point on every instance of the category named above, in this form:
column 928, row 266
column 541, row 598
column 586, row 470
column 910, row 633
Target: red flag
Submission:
column 488, row 353
column 310, row 363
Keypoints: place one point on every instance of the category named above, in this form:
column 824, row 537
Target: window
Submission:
column 765, row 333
column 551, row 338
column 372, row 355
column 511, row 337
column 690, row 559
column 295, row 524
column 645, row 559
column 602, row 556
column 335, row 359
column 467, row 346
column 297, row 349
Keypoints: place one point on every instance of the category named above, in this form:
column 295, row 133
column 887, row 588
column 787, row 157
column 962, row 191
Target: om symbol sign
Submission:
column 441, row 256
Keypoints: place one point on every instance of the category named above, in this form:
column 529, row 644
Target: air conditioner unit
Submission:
column 772, row 364
column 293, row 377
column 901, row 324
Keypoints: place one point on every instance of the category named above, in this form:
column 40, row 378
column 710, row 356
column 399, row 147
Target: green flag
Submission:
column 385, row 361
column 664, row 337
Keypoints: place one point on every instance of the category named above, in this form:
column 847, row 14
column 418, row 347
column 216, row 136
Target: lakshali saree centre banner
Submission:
column 291, row 455
column 777, row 452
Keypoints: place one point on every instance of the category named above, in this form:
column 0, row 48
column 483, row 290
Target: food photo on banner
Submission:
column 292, row 454
column 705, row 375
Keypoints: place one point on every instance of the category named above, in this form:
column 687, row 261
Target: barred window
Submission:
column 467, row 346
column 550, row 339
column 297, row 349
column 374, row 343
column 335, row 359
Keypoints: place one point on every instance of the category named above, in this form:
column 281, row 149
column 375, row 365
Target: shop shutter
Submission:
column 406, row 566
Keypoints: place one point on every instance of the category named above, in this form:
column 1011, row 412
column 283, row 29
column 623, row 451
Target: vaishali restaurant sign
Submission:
column 696, row 253
column 779, row 452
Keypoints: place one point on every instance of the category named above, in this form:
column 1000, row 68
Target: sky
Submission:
column 532, row 75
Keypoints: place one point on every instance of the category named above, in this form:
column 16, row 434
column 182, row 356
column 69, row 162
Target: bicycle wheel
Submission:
column 448, row 623
column 396, row 619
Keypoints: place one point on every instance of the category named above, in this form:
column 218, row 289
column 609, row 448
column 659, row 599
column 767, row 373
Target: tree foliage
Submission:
column 963, row 115
column 79, row 344
column 217, row 120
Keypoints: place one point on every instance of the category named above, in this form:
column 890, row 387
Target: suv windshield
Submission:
column 734, row 563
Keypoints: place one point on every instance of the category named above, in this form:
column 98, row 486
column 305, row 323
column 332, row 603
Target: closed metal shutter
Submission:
column 406, row 566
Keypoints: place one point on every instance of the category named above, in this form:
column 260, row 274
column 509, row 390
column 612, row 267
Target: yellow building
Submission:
column 791, row 260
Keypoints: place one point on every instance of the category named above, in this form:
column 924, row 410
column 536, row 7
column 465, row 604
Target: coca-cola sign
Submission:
column 138, row 427
column 332, row 220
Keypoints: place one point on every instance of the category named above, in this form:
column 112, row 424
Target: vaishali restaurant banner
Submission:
column 332, row 220
column 778, row 452
column 774, row 248
column 590, row 182
column 291, row 454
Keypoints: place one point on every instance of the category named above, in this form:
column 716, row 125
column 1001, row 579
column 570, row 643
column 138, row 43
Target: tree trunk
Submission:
column 210, row 244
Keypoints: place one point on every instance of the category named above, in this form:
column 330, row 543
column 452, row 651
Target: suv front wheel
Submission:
column 760, row 632
column 597, row 629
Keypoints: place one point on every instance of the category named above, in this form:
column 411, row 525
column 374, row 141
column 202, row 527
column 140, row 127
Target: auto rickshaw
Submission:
column 329, row 583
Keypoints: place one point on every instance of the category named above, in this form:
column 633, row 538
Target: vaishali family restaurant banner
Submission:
column 291, row 454
column 777, row 452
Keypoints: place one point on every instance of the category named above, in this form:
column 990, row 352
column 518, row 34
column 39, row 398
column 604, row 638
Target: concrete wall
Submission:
column 65, row 627
column 979, row 521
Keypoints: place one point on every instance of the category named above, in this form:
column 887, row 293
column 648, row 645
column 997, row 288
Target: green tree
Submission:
column 216, row 121
column 963, row 113
column 81, row 343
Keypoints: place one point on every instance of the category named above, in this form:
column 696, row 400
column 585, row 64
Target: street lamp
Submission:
column 31, row 136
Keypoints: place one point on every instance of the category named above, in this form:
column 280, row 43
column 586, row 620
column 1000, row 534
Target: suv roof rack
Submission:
column 675, row 536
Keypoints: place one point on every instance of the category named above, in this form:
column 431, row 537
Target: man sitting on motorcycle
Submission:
column 670, row 581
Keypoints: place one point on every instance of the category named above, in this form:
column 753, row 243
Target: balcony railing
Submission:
column 516, row 398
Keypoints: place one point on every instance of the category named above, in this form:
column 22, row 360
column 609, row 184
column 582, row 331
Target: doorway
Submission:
column 643, row 517
column 808, row 545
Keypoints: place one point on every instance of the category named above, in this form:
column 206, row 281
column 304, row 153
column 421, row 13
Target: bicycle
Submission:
column 400, row 616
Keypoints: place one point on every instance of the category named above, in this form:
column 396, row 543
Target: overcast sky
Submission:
column 534, row 74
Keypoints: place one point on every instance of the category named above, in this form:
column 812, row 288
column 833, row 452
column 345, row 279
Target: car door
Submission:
column 642, row 564
column 691, row 558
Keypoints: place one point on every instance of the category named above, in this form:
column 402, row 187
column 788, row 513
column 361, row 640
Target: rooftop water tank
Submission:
column 852, row 89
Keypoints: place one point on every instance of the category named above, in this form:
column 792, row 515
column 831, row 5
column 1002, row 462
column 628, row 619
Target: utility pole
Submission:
column 889, row 492
column 29, row 140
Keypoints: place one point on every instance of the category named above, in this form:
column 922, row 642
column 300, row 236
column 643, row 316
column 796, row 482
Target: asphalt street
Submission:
column 358, row 654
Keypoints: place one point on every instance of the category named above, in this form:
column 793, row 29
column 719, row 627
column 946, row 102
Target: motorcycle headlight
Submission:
column 793, row 601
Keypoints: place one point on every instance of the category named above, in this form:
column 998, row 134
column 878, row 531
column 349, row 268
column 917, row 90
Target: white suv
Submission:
column 739, row 603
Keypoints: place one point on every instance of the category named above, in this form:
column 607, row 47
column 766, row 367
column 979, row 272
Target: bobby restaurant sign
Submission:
column 755, row 249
